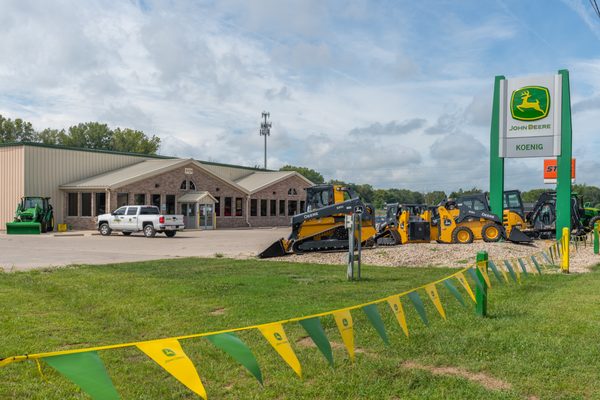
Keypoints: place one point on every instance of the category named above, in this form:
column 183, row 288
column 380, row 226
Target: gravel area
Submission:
column 446, row 255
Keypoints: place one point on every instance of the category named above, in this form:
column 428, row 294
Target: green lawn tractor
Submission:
column 590, row 216
column 33, row 216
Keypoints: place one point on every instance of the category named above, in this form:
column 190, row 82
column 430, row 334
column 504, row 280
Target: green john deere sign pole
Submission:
column 563, row 181
column 496, row 162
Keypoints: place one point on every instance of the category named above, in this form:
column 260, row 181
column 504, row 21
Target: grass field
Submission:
column 541, row 340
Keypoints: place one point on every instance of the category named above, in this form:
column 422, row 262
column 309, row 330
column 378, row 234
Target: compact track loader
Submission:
column 34, row 215
column 322, row 226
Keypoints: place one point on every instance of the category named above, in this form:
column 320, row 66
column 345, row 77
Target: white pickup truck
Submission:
column 147, row 219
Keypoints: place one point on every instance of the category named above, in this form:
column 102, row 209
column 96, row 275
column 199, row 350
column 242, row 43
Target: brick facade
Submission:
column 289, row 190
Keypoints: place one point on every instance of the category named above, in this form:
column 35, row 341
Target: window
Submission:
column 292, row 205
column 139, row 199
column 156, row 200
column 183, row 185
column 282, row 208
column 273, row 207
column 302, row 203
column 513, row 201
column 218, row 206
column 72, row 206
column 238, row 207
column 120, row 211
column 149, row 211
column 227, row 207
column 86, row 204
column 100, row 203
column 122, row 199
column 191, row 185
column 170, row 203
column 187, row 185
column 132, row 210
column 263, row 208
column 253, row 207
column 292, row 192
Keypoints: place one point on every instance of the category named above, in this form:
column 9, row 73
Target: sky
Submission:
column 390, row 93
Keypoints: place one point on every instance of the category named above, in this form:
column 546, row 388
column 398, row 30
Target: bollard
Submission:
column 564, row 264
column 596, row 242
column 481, row 295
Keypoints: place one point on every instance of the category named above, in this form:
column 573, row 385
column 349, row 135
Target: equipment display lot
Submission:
column 22, row 252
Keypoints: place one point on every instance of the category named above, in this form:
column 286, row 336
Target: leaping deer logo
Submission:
column 525, row 103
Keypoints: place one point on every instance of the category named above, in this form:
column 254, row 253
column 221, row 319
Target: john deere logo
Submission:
column 277, row 336
column 530, row 103
column 396, row 307
column 168, row 352
column 345, row 322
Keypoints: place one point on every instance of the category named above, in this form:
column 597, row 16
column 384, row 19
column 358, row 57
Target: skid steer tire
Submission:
column 593, row 221
column 462, row 235
column 492, row 232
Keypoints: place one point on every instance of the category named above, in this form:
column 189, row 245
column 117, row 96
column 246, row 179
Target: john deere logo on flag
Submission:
column 530, row 103
column 277, row 336
column 168, row 352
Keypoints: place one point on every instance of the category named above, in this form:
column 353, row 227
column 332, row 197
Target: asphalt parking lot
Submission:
column 23, row 252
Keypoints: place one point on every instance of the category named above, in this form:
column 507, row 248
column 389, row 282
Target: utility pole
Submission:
column 265, row 130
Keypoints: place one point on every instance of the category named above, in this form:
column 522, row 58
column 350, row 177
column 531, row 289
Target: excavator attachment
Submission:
column 277, row 249
column 517, row 236
column 23, row 228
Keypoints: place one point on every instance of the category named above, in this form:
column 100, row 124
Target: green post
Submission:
column 596, row 241
column 563, row 186
column 496, row 162
column 481, row 295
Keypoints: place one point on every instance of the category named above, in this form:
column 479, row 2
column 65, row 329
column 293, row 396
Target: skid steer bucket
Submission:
column 23, row 228
column 277, row 249
column 516, row 236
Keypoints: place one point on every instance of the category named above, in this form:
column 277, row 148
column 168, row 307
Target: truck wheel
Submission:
column 126, row 233
column 462, row 235
column 149, row 231
column 170, row 233
column 491, row 232
column 105, row 229
column 593, row 221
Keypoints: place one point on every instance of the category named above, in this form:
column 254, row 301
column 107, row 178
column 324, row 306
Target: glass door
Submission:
column 206, row 216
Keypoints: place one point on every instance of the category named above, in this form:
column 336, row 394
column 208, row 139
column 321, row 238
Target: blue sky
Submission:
column 391, row 93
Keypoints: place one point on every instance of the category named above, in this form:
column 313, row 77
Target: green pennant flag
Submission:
column 418, row 303
column 547, row 259
column 454, row 292
column 231, row 344
column 551, row 252
column 523, row 267
column 313, row 327
column 510, row 269
column 478, row 282
column 495, row 271
column 375, row 318
column 87, row 371
column 535, row 263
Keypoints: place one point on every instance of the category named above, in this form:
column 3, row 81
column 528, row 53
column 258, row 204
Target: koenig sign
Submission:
column 530, row 110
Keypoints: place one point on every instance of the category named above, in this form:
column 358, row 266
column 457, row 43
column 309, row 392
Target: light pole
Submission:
column 265, row 130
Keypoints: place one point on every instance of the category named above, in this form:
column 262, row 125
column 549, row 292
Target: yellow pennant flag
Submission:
column 482, row 268
column 463, row 281
column 277, row 338
column 398, row 311
column 435, row 298
column 343, row 320
column 168, row 354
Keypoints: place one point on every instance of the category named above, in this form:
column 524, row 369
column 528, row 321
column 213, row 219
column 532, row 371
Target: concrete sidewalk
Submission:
column 23, row 252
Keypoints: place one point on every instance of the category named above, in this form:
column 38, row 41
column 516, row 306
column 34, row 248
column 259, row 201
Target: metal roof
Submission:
column 260, row 180
column 196, row 197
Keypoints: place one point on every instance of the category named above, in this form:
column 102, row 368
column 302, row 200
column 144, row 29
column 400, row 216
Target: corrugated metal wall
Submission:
column 12, row 182
column 48, row 168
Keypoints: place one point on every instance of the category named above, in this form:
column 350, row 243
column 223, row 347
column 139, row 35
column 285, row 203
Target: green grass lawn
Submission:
column 541, row 340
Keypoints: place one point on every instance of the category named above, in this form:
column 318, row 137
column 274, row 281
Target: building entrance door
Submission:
column 189, row 215
column 206, row 216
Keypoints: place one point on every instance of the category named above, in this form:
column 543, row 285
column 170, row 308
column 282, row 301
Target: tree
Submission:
column 134, row 141
column 50, row 136
column 531, row 196
column 310, row 174
column 89, row 135
column 462, row 192
column 15, row 131
column 434, row 198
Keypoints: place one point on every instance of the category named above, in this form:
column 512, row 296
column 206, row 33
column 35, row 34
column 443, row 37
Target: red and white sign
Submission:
column 550, row 170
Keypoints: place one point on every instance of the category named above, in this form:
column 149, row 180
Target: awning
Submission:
column 197, row 197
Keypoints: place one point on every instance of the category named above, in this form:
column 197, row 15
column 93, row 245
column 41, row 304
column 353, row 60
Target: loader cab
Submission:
column 320, row 196
column 513, row 202
column 476, row 202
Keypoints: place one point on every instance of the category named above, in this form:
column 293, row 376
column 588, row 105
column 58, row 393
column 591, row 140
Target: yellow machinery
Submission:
column 322, row 226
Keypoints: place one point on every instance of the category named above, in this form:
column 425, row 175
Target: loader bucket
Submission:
column 516, row 236
column 277, row 249
column 23, row 228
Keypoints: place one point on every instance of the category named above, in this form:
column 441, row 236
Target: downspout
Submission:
column 248, row 212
